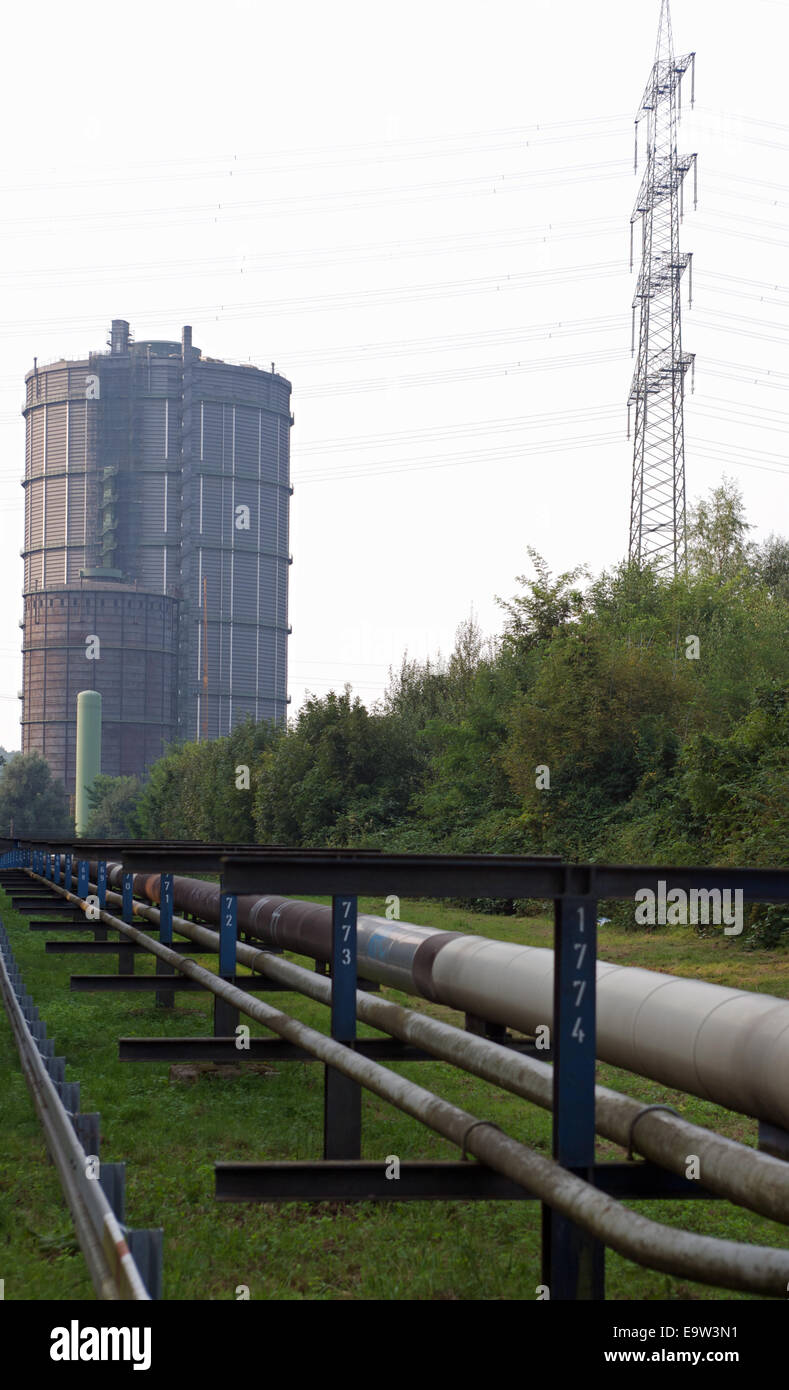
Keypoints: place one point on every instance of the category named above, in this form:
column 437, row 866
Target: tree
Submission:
column 340, row 776
column 548, row 604
column 717, row 534
column 205, row 791
column 113, row 802
column 31, row 801
column 773, row 565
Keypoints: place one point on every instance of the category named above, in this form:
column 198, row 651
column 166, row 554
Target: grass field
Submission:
column 170, row 1127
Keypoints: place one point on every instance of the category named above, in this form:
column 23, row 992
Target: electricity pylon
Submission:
column 657, row 503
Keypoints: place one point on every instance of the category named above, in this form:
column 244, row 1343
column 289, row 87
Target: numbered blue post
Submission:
column 573, row 1261
column 166, row 910
column 100, row 931
column 228, row 909
column 82, row 878
column 125, row 952
column 67, row 871
column 343, row 968
column 165, row 998
column 342, row 1096
column 574, row 1032
column 101, row 883
column 127, row 911
column 225, row 1014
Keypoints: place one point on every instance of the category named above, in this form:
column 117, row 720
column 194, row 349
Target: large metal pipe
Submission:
column 728, row 1046
column 742, row 1175
column 723, row 1263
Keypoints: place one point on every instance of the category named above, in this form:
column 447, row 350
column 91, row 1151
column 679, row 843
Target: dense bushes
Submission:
column 627, row 718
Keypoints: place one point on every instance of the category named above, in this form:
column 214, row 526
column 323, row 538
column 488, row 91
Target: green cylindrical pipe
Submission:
column 88, row 753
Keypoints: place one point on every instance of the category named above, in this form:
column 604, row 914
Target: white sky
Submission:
column 421, row 214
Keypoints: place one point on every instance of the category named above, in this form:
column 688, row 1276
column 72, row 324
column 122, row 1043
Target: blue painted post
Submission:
column 342, row 1097
column 227, row 935
column 573, row 1261
column 165, row 998
column 343, row 1002
column 226, row 1015
column 67, row 871
column 126, row 954
column 166, row 910
column 82, row 878
column 101, row 883
column 100, row 932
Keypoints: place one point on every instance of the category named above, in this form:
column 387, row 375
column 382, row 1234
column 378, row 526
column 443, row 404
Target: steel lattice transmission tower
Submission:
column 657, row 504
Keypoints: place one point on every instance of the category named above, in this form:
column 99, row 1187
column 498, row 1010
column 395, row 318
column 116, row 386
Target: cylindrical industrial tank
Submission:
column 62, row 478
column 154, row 466
column 121, row 641
column 235, row 500
column 88, row 754
column 196, row 504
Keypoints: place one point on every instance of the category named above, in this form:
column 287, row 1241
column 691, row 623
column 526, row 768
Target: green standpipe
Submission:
column 88, row 753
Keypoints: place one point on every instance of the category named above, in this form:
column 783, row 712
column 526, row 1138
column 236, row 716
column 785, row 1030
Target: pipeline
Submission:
column 723, row 1263
column 727, row 1046
column 742, row 1175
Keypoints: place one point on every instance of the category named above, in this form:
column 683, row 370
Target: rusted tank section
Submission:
column 282, row 922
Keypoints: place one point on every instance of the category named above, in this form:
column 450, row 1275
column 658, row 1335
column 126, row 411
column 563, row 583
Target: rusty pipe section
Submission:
column 728, row 1046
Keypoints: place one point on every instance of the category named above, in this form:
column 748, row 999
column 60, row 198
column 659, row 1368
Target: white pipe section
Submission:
column 729, row 1046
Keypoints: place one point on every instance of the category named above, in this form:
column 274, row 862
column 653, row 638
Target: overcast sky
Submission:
column 421, row 214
